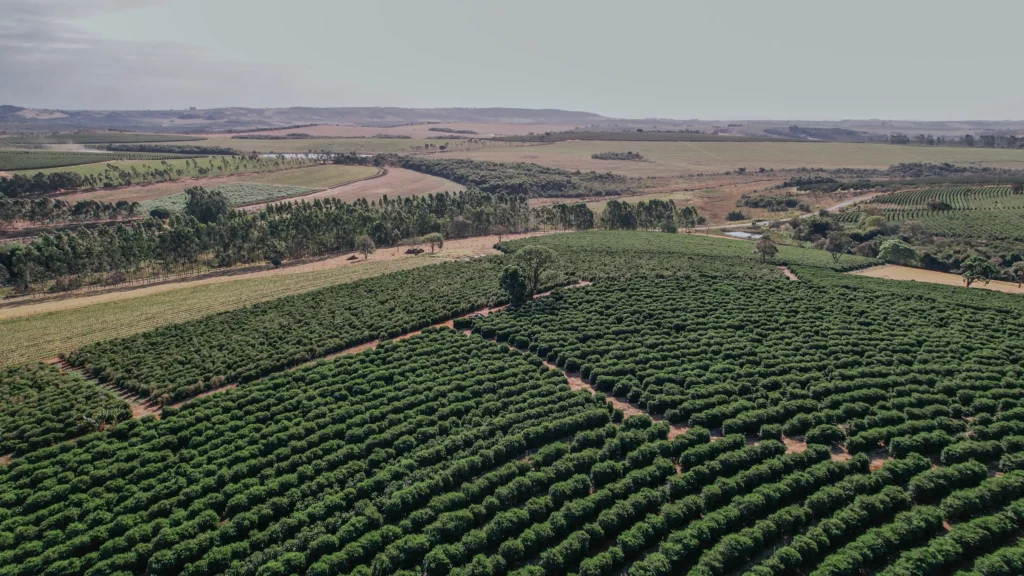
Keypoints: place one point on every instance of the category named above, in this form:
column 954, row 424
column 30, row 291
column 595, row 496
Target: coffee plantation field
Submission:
column 241, row 194
column 822, row 362
column 181, row 360
column 987, row 213
column 612, row 254
column 39, row 405
column 833, row 425
column 958, row 198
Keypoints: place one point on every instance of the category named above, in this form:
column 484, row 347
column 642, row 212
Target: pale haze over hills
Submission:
column 781, row 60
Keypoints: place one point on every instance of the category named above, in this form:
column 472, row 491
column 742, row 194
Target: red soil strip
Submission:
column 6, row 459
column 840, row 454
column 794, row 446
column 789, row 273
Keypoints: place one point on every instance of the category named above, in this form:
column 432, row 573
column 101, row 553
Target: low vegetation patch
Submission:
column 630, row 156
column 31, row 159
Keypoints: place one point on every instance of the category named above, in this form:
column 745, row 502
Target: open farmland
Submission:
column 31, row 160
column 317, row 177
column 826, row 426
column 986, row 213
column 397, row 183
column 243, row 345
column 680, row 158
column 34, row 331
column 95, row 138
column 236, row 194
column 304, row 145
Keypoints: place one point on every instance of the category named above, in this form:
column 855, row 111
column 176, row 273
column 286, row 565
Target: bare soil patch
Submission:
column 794, row 445
column 789, row 273
column 840, row 454
column 894, row 272
column 6, row 459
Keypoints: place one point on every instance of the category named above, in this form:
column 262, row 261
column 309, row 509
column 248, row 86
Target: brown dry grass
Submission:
column 894, row 272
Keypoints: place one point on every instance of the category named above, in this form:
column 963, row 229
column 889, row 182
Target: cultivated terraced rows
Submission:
column 833, row 426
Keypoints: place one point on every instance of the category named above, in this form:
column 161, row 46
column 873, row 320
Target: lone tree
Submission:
column 897, row 252
column 1017, row 271
column 668, row 225
column 434, row 239
column 977, row 268
column 499, row 231
column 365, row 245
column 534, row 261
column 513, row 283
column 837, row 244
column 1018, row 187
column 765, row 248
column 206, row 205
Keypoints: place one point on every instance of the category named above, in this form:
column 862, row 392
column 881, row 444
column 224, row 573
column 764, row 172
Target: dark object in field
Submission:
column 415, row 251
column 352, row 257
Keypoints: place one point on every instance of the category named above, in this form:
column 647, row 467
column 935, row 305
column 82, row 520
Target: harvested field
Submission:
column 894, row 272
column 34, row 330
column 680, row 158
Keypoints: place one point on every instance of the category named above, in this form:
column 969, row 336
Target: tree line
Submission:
column 197, row 149
column 40, row 183
column 654, row 214
column 208, row 234
column 49, row 211
column 513, row 178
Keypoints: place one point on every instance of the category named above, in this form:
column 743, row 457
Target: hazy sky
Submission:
column 713, row 59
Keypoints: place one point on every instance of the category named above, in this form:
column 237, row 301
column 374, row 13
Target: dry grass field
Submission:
column 894, row 272
column 687, row 158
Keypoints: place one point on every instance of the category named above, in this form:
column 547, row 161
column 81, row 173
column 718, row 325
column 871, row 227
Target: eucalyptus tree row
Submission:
column 210, row 235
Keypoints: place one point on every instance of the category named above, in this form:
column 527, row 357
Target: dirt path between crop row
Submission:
column 141, row 406
column 789, row 273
